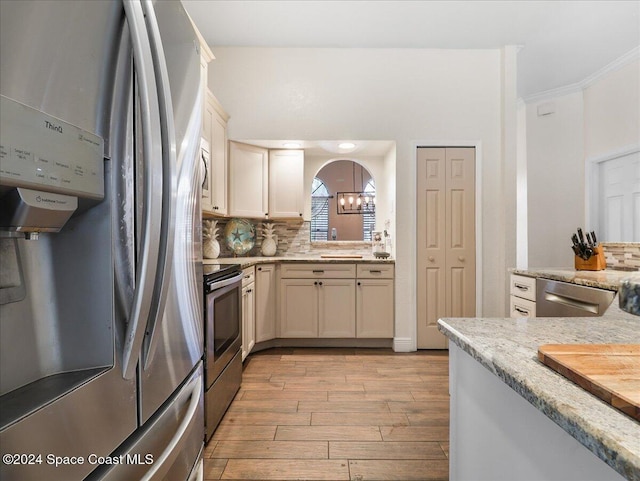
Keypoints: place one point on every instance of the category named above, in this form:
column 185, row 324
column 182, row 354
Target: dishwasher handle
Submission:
column 571, row 302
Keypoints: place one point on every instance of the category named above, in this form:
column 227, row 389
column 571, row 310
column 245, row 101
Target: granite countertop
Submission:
column 508, row 348
column 252, row 261
column 606, row 279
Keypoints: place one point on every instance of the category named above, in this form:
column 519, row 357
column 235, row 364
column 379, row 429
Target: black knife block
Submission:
column 596, row 262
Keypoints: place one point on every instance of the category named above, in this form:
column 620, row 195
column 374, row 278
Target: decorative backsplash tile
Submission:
column 294, row 239
column 622, row 253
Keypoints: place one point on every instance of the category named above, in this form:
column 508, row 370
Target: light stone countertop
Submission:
column 252, row 261
column 606, row 279
column 508, row 348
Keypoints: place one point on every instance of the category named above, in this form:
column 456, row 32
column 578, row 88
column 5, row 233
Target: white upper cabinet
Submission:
column 248, row 180
column 207, row 118
column 265, row 183
column 214, row 131
column 286, row 183
column 219, row 161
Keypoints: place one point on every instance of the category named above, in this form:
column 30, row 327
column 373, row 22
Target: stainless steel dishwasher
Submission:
column 562, row 299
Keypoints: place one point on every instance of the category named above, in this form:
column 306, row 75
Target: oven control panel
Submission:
column 44, row 153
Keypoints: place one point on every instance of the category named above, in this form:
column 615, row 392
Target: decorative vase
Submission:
column 270, row 240
column 210, row 244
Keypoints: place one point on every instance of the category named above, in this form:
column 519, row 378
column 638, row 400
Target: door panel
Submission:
column 457, row 218
column 298, row 308
column 374, row 308
column 180, row 341
column 168, row 447
column 336, row 308
column 265, row 302
column 431, row 255
column 461, row 239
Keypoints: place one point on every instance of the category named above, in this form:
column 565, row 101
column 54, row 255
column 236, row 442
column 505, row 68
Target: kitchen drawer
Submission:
column 519, row 307
column 523, row 286
column 318, row 271
column 249, row 275
column 375, row 271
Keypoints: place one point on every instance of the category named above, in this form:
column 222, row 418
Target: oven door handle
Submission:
column 226, row 282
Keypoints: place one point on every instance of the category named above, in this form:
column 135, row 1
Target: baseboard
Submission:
column 323, row 342
column 403, row 344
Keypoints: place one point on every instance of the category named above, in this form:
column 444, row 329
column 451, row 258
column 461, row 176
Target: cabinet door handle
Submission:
column 259, row 268
column 461, row 258
column 522, row 287
column 320, row 283
column 431, row 258
column 359, row 284
column 315, row 283
column 318, row 272
column 521, row 311
column 375, row 272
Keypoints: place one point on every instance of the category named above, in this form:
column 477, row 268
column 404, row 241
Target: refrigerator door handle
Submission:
column 152, row 208
column 165, row 459
column 169, row 161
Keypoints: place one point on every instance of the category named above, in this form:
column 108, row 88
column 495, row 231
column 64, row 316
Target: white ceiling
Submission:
column 563, row 42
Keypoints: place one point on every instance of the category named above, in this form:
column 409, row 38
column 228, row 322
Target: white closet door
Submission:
column 445, row 239
column 619, row 199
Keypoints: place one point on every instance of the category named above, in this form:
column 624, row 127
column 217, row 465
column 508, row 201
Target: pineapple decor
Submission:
column 210, row 244
column 270, row 240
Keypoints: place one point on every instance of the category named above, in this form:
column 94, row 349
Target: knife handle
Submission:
column 589, row 241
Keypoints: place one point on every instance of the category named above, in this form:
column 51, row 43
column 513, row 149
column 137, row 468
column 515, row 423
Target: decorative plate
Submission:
column 240, row 236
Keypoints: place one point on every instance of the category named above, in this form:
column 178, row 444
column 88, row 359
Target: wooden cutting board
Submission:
column 608, row 371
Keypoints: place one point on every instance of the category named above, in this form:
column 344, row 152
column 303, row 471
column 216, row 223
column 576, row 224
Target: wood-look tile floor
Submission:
column 336, row 414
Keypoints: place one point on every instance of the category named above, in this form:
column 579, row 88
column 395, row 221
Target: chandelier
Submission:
column 356, row 202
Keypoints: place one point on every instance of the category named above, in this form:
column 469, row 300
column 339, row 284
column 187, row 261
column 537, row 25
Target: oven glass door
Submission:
column 226, row 319
column 223, row 318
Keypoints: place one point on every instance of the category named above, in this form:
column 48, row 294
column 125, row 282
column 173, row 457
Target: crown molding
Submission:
column 553, row 93
column 623, row 61
column 617, row 64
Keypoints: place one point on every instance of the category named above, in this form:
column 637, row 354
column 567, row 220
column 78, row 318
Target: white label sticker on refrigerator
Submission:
column 42, row 152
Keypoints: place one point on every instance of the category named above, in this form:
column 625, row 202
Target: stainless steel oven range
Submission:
column 223, row 340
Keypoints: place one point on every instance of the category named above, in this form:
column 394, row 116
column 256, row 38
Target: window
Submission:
column 369, row 218
column 319, row 211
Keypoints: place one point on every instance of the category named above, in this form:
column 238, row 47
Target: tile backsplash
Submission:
column 294, row 240
column 622, row 253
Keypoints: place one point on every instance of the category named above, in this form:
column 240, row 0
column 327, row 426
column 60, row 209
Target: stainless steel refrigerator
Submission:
column 101, row 331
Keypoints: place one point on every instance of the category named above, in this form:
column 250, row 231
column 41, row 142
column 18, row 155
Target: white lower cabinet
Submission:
column 374, row 308
column 298, row 308
column 522, row 302
column 332, row 301
column 248, row 312
column 265, row 302
column 336, row 308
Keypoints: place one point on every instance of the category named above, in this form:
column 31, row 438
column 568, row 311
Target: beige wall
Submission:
column 612, row 112
column 599, row 120
column 412, row 97
column 555, row 179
